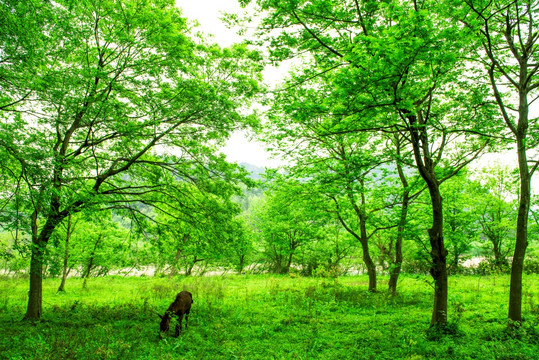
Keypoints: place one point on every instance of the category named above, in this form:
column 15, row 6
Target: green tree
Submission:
column 395, row 66
column 507, row 47
column 197, row 223
column 461, row 216
column 497, row 209
column 286, row 220
column 123, row 90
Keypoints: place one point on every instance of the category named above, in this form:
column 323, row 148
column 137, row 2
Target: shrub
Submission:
column 531, row 265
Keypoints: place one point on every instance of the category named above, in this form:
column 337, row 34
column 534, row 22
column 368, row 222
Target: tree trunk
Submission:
column 192, row 265
column 397, row 264
column 241, row 264
column 371, row 267
column 427, row 170
column 66, row 255
column 286, row 270
column 517, row 266
column 363, row 240
column 34, row 309
column 175, row 265
column 438, row 254
column 35, row 306
column 91, row 262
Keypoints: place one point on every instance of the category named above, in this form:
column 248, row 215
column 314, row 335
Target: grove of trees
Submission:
column 113, row 113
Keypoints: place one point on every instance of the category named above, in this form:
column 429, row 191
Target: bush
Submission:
column 327, row 271
column 491, row 267
column 531, row 265
column 416, row 266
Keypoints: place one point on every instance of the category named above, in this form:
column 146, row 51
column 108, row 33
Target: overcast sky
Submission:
column 239, row 148
column 207, row 13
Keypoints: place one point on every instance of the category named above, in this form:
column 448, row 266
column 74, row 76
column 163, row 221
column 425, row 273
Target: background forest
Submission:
column 115, row 194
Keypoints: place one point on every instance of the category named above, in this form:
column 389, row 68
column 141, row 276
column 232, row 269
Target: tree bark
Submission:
column 34, row 309
column 517, row 266
column 426, row 168
column 286, row 270
column 520, row 43
column 363, row 240
column 35, row 295
column 438, row 254
column 66, row 255
column 91, row 262
column 371, row 267
column 185, row 238
column 175, row 265
column 397, row 264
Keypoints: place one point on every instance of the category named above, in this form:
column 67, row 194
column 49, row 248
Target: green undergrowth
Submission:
column 268, row 317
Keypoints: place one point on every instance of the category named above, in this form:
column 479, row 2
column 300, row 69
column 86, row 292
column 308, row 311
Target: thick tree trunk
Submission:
column 517, row 266
column 438, row 267
column 34, row 309
column 35, row 295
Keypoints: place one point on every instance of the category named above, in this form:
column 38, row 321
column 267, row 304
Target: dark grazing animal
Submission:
column 180, row 306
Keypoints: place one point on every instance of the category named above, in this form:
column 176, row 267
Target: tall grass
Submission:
column 266, row 317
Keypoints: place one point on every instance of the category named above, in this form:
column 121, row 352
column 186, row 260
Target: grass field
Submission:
column 267, row 317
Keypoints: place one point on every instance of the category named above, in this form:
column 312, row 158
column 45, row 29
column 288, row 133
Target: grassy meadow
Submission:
column 267, row 317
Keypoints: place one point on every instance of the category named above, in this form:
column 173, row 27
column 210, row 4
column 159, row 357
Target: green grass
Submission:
column 266, row 317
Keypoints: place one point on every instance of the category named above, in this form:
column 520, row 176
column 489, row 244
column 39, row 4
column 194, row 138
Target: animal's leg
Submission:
column 178, row 326
column 186, row 320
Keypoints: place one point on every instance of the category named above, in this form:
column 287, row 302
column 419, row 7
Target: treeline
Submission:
column 286, row 227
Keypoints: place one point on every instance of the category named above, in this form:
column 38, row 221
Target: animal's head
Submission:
column 164, row 325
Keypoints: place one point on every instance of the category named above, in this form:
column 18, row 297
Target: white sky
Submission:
column 239, row 148
column 208, row 12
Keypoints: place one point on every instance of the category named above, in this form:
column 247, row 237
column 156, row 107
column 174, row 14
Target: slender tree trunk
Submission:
column 175, row 265
column 66, row 255
column 397, row 265
column 192, row 265
column 517, row 266
column 286, row 270
column 241, row 264
column 91, row 262
column 499, row 258
column 363, row 240
column 521, row 131
column 427, row 170
column 371, row 267
column 185, row 238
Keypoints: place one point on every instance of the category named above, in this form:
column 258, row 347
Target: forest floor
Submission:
column 267, row 317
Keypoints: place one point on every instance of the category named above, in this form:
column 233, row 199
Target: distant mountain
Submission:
column 256, row 171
